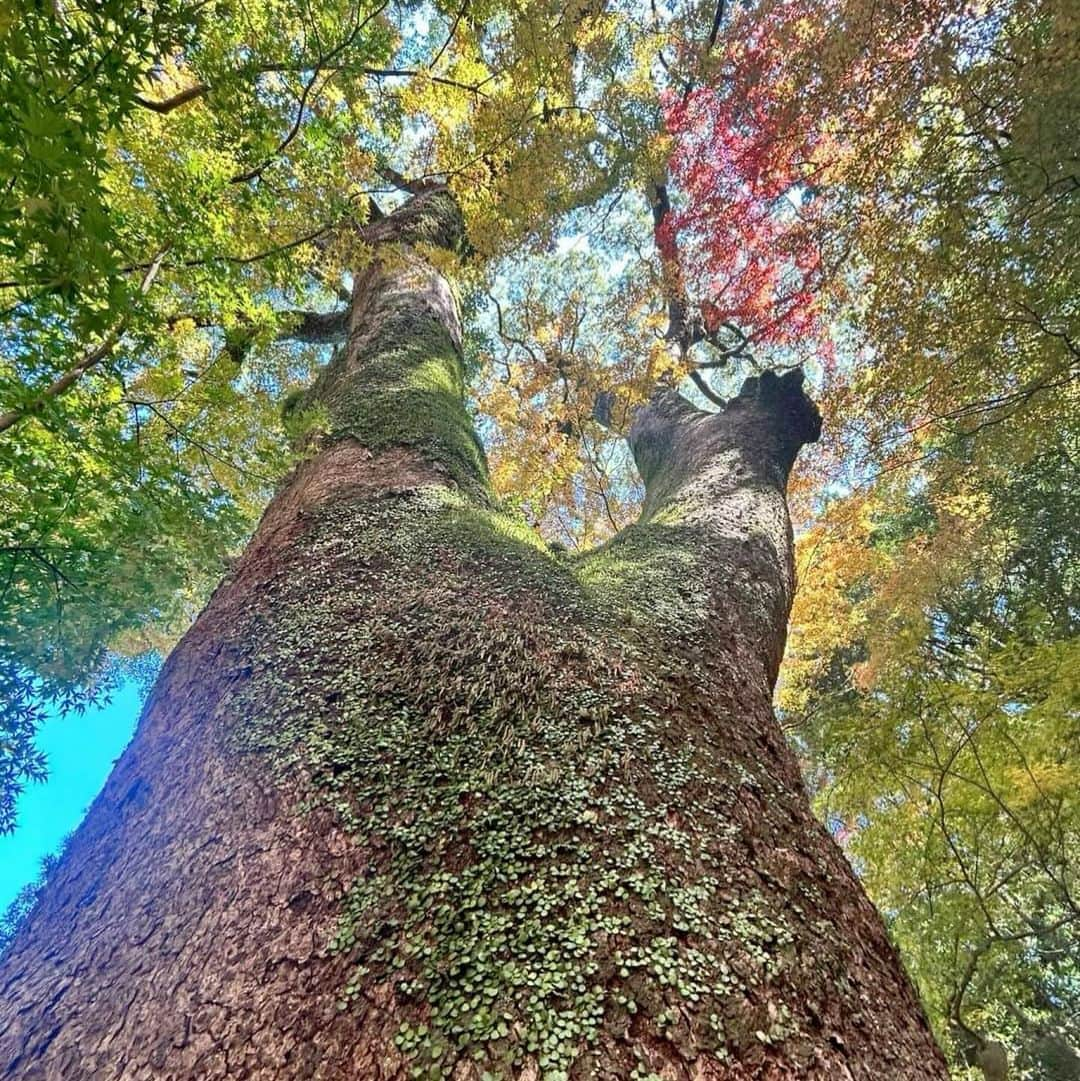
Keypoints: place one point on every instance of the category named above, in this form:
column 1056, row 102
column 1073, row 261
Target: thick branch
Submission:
column 714, row 502
column 703, row 386
column 403, row 183
column 192, row 93
column 316, row 328
column 674, row 443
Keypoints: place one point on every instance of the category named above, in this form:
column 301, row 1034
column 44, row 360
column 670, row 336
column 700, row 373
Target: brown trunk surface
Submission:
column 416, row 797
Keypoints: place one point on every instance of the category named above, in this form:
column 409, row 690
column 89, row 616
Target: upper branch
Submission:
column 675, row 444
column 687, row 328
column 316, row 328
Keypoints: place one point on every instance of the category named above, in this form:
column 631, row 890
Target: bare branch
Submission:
column 251, row 174
column 450, row 36
column 200, row 90
column 714, row 33
column 703, row 386
column 192, row 93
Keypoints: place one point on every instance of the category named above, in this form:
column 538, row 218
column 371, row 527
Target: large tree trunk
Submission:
column 417, row 797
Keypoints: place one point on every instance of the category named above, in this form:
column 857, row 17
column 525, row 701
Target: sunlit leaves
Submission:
column 557, row 337
column 66, row 77
column 932, row 678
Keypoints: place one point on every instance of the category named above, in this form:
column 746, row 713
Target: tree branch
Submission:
column 403, row 183
column 685, row 329
column 703, row 386
column 245, row 260
column 714, row 33
column 251, row 174
column 182, row 98
column 316, row 328
column 450, row 36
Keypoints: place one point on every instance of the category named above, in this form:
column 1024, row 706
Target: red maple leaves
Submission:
column 804, row 104
column 741, row 227
column 744, row 163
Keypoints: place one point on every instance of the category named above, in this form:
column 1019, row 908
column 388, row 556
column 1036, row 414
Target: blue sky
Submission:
column 81, row 752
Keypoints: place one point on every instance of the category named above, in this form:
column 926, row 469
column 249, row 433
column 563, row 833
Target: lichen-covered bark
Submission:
column 417, row 797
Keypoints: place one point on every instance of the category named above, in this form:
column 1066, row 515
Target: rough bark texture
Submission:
column 417, row 797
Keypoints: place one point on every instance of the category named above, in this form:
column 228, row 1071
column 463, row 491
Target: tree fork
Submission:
column 418, row 797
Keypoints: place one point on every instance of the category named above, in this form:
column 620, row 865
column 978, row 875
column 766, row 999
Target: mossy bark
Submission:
column 417, row 797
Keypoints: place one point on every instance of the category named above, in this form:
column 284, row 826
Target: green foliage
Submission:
column 68, row 76
column 114, row 518
column 948, row 763
column 138, row 372
column 930, row 672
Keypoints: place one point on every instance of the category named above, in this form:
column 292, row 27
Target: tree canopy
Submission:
column 691, row 191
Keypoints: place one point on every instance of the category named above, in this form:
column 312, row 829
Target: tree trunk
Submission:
column 418, row 797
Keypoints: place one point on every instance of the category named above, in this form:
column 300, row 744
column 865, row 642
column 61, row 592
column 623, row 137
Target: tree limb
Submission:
column 403, row 183
column 714, row 33
column 316, row 328
column 251, row 174
column 168, row 104
column 450, row 36
column 703, row 386
column 59, row 385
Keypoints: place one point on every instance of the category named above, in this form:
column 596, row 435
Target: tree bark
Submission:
column 418, row 797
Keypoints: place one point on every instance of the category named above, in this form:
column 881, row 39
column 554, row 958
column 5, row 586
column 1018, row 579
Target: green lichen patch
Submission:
column 538, row 815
